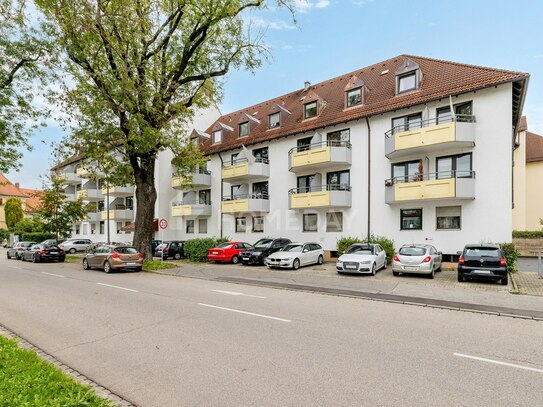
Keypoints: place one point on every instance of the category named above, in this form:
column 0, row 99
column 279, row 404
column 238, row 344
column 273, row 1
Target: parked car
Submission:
column 417, row 258
column 110, row 257
column 228, row 252
column 154, row 245
column 173, row 249
column 18, row 249
column 39, row 252
column 482, row 261
column 75, row 245
column 294, row 255
column 362, row 258
column 262, row 249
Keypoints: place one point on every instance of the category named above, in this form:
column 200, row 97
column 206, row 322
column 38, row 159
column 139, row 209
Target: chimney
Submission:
column 17, row 185
column 307, row 84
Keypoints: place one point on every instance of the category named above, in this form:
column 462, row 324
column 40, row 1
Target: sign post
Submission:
column 162, row 224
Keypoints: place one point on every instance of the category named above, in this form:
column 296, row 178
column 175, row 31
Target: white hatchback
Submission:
column 362, row 258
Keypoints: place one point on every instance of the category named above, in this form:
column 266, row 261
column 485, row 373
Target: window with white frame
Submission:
column 244, row 129
column 202, row 225
column 274, row 120
column 258, row 224
column 448, row 217
column 354, row 97
column 334, row 222
column 241, row 225
column 407, row 82
column 310, row 110
column 217, row 136
column 310, row 222
column 189, row 226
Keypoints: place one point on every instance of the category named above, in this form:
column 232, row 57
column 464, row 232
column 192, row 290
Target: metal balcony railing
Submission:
column 461, row 118
column 319, row 188
column 254, row 195
column 199, row 171
column 196, row 201
column 327, row 143
column 236, row 161
column 430, row 176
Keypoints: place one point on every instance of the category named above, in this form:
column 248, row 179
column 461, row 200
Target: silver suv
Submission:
column 75, row 245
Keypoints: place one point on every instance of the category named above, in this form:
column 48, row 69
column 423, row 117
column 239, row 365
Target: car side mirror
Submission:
column 459, row 253
column 439, row 253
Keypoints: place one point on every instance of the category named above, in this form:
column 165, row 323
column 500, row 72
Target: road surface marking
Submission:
column 497, row 362
column 12, row 267
column 54, row 275
column 236, row 293
column 120, row 288
column 245, row 312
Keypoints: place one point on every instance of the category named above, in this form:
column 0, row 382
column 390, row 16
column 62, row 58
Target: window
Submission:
column 261, row 155
column 233, row 158
column 310, row 110
column 334, row 222
column 304, row 144
column 260, row 190
column 407, row 172
column 258, row 224
column 455, row 166
column 204, row 197
column 101, row 206
column 463, row 110
column 448, row 217
column 304, row 183
column 338, row 181
column 93, row 229
column 85, row 229
column 274, row 120
column 129, row 202
column 240, row 225
column 407, row 82
column 202, row 225
column 410, row 219
column 189, row 226
column 405, row 123
column 119, row 226
column 354, row 97
column 217, row 136
column 310, row 222
column 339, row 138
column 234, row 191
column 102, row 224
column 244, row 129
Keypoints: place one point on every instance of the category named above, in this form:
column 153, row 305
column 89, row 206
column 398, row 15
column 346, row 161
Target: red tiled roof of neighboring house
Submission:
column 439, row 80
column 534, row 147
column 523, row 125
column 34, row 201
column 8, row 189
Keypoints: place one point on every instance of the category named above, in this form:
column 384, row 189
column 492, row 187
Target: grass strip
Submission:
column 26, row 380
column 158, row 265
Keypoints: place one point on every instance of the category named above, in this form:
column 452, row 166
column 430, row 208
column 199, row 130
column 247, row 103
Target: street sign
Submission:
column 163, row 223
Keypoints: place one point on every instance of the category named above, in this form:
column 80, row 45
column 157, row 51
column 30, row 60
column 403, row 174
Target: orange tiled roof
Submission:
column 34, row 200
column 440, row 79
column 8, row 189
column 523, row 125
column 534, row 147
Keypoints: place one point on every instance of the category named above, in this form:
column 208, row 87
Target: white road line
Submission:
column 54, row 275
column 16, row 268
column 120, row 288
column 497, row 362
column 245, row 312
column 236, row 293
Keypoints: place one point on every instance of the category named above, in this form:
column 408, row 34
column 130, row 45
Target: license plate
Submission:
column 215, row 252
column 410, row 268
column 130, row 264
column 483, row 272
column 351, row 267
column 246, row 258
column 53, row 252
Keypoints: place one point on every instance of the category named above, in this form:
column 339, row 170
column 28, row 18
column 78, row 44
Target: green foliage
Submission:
column 26, row 380
column 188, row 158
column 158, row 265
column 511, row 255
column 196, row 249
column 386, row 244
column 528, row 234
column 4, row 234
column 13, row 210
column 344, row 242
column 36, row 236
column 33, row 224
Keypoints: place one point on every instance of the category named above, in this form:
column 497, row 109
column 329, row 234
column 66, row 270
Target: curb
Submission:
column 100, row 390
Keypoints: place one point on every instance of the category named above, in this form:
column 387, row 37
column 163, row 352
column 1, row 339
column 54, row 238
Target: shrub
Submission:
column 386, row 243
column 511, row 255
column 196, row 249
column 36, row 236
column 528, row 234
column 344, row 242
column 4, row 234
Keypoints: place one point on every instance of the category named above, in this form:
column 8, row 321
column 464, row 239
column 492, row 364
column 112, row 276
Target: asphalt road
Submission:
column 168, row 341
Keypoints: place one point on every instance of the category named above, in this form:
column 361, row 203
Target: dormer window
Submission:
column 408, row 77
column 217, row 136
column 244, row 129
column 407, row 82
column 354, row 97
column 310, row 110
column 274, row 120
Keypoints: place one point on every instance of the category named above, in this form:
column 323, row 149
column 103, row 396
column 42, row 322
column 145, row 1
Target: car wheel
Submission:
column 86, row 264
column 439, row 268
column 263, row 260
column 61, row 260
column 235, row 259
column 138, row 269
column 34, row 259
column 320, row 261
column 245, row 263
column 72, row 250
column 396, row 273
column 9, row 257
column 505, row 280
column 107, row 267
column 296, row 264
column 23, row 258
column 432, row 274
column 373, row 269
column 177, row 256
column 461, row 278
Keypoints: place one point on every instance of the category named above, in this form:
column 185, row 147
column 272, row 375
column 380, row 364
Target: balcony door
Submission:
column 406, row 172
column 304, row 183
column 338, row 181
column 456, row 166
column 204, row 197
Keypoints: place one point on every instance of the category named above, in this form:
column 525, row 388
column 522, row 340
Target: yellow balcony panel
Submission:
column 118, row 214
column 320, row 199
column 245, row 171
column 90, row 195
column 320, row 157
column 69, row 178
column 235, row 171
column 182, row 210
column 191, row 209
column 247, row 205
column 117, row 191
column 431, row 138
column 433, row 189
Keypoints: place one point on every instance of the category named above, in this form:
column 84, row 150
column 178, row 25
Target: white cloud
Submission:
column 303, row 6
column 322, row 3
column 538, row 56
column 273, row 25
column 362, row 2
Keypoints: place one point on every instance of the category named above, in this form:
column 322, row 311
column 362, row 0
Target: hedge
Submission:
column 344, row 242
column 196, row 249
column 511, row 255
column 528, row 234
column 36, row 236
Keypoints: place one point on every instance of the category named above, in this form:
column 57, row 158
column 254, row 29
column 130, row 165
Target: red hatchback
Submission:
column 228, row 252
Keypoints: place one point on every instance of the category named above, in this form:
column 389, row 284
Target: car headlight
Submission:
column 339, row 262
column 366, row 262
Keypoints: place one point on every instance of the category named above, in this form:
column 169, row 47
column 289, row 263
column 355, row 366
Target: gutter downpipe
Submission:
column 220, row 200
column 369, row 177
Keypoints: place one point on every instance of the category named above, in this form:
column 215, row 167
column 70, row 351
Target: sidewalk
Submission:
column 444, row 291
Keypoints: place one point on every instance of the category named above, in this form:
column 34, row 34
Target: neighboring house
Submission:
column 33, row 201
column 30, row 198
column 411, row 148
column 528, row 193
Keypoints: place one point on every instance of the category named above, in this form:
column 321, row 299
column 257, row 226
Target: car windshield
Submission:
column 263, row 244
column 161, row 246
column 225, row 246
column 359, row 250
column 27, row 244
column 126, row 250
column 412, row 251
column 293, row 248
column 483, row 252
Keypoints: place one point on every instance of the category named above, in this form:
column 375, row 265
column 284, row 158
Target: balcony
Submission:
column 70, row 197
column 244, row 170
column 84, row 172
column 191, row 208
column 69, row 178
column 90, row 195
column 446, row 185
column 121, row 212
column 325, row 196
column 116, row 191
column 257, row 203
column 430, row 136
column 200, row 178
column 94, row 216
column 319, row 155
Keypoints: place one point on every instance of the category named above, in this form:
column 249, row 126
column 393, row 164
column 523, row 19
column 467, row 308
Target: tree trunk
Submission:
column 145, row 206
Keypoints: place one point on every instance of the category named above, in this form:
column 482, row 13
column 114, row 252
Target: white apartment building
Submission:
column 411, row 148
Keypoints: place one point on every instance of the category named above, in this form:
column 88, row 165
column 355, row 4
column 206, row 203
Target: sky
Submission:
column 334, row 37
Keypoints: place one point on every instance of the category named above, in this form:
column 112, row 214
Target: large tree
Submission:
column 24, row 59
column 13, row 210
column 140, row 67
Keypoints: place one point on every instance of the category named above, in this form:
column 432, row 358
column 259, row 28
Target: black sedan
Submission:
column 40, row 252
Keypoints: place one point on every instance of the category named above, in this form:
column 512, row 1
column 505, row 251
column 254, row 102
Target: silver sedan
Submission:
column 417, row 258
